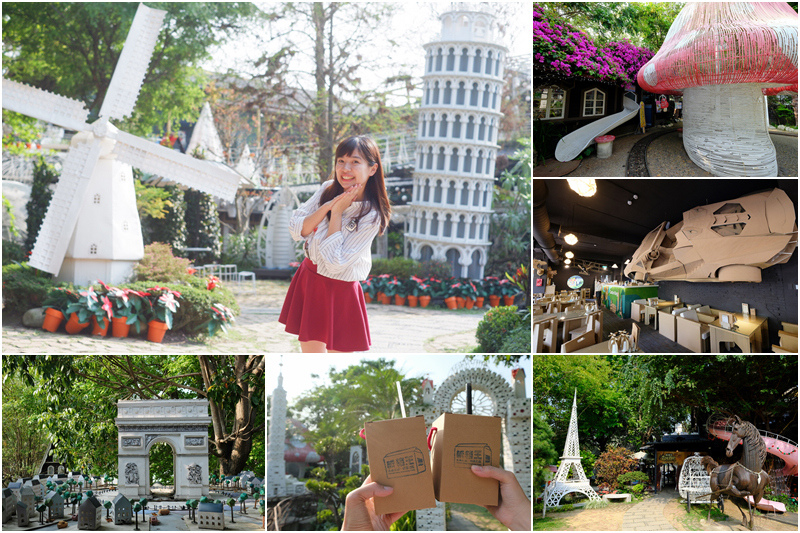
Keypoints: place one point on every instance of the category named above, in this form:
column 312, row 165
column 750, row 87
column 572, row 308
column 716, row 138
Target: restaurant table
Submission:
column 662, row 305
column 618, row 298
column 749, row 334
column 601, row 347
column 561, row 318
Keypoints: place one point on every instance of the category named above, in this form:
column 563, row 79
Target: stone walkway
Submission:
column 393, row 329
column 648, row 515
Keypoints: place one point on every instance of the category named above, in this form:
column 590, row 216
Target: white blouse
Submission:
column 345, row 255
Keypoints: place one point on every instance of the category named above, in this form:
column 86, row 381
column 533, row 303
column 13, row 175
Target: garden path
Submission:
column 648, row 515
column 394, row 329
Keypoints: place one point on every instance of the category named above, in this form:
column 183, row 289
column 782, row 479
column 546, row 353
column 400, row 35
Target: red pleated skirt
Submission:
column 318, row 308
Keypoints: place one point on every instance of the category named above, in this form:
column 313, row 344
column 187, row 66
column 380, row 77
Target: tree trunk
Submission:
column 319, row 108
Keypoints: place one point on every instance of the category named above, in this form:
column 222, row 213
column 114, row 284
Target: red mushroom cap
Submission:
column 719, row 43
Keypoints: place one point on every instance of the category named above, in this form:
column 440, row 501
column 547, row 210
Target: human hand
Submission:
column 345, row 199
column 514, row 508
column 359, row 509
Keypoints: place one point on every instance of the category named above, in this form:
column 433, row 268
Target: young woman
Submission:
column 325, row 304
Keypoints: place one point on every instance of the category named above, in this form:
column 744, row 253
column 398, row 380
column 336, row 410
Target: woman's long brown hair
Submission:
column 375, row 197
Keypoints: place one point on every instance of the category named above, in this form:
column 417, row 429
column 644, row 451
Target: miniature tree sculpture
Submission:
column 41, row 508
column 719, row 56
column 243, row 499
column 231, row 502
column 194, row 511
column 107, row 505
column 49, row 504
column 136, row 508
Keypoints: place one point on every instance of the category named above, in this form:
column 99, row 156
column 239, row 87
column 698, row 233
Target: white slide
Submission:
column 570, row 146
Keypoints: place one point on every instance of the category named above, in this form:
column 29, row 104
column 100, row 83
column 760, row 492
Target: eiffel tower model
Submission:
column 563, row 483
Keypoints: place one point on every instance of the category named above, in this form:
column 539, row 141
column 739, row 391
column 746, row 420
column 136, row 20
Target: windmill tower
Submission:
column 456, row 145
column 276, row 442
column 564, row 483
column 91, row 230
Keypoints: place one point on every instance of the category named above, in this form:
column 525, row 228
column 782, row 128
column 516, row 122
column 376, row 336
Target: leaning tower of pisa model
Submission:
column 457, row 145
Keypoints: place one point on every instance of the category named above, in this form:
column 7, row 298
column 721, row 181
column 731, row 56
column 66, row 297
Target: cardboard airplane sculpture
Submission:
column 91, row 230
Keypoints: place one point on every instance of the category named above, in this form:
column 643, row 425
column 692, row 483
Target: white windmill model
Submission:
column 91, row 230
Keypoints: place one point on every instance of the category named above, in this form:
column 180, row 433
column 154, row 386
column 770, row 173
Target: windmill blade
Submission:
column 43, row 105
column 132, row 65
column 65, row 206
column 206, row 176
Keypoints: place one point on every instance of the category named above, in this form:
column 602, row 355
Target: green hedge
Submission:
column 495, row 327
column 518, row 341
column 25, row 287
column 400, row 267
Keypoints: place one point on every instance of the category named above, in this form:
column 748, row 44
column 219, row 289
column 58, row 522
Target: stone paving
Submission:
column 648, row 515
column 394, row 329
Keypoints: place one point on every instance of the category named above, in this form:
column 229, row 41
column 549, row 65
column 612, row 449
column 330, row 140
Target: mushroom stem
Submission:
column 725, row 130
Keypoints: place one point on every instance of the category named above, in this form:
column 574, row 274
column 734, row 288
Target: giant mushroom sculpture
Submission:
column 720, row 56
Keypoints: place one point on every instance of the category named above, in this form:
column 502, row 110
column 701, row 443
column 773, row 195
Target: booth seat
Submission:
column 692, row 330
column 667, row 325
column 637, row 309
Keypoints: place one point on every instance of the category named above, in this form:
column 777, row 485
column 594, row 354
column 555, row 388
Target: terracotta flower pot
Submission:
column 461, row 302
column 494, row 300
column 508, row 300
column 156, row 330
column 73, row 326
column 119, row 328
column 412, row 300
column 52, row 319
column 382, row 298
column 424, row 301
column 101, row 330
column 399, row 300
column 479, row 302
column 450, row 302
column 367, row 298
column 470, row 303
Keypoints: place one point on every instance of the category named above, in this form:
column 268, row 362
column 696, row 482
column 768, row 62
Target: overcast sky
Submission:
column 298, row 367
column 412, row 25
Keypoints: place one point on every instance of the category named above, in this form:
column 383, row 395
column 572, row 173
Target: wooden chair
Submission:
column 594, row 324
column 635, row 330
column 637, row 310
column 692, row 330
column 788, row 326
column 584, row 341
column 788, row 341
column 537, row 310
column 551, row 307
column 666, row 324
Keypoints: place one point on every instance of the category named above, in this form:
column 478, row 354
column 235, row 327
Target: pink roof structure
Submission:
column 715, row 43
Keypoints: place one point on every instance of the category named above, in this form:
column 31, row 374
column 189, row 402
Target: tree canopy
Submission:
column 73, row 401
column 72, row 49
column 632, row 399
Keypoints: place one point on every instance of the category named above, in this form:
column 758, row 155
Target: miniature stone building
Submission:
column 23, row 520
column 38, row 488
column 28, row 498
column 122, row 510
column 90, row 514
column 57, row 510
column 211, row 516
column 15, row 487
column 9, row 503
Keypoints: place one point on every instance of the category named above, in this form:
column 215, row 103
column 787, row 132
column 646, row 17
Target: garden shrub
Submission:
column 612, row 463
column 629, row 477
column 434, row 269
column 407, row 522
column 203, row 229
column 195, row 301
column 495, row 328
column 24, row 287
column 241, row 249
column 44, row 175
column 518, row 341
column 159, row 265
column 399, row 267
column 13, row 251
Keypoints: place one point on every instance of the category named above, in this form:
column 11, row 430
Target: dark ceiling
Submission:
column 609, row 230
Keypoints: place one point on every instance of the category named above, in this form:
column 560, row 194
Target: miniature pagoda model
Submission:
column 563, row 483
column 276, row 464
column 451, row 205
column 91, row 229
column 721, row 56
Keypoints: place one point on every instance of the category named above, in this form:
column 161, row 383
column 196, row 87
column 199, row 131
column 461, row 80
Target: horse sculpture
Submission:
column 744, row 478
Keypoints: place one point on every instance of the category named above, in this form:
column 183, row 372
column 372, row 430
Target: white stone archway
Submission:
column 183, row 424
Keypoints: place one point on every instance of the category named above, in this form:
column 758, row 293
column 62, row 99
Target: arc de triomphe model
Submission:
column 183, row 424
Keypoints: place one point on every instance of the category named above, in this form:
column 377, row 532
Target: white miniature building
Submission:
column 90, row 514
column 9, row 504
column 38, row 488
column 276, row 442
column 210, row 516
column 23, row 515
column 457, row 146
column 57, row 509
column 27, row 496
